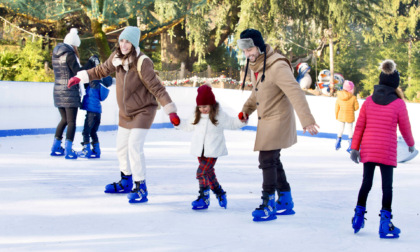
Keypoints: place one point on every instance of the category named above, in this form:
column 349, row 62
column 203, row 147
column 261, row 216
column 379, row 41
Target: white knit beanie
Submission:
column 72, row 38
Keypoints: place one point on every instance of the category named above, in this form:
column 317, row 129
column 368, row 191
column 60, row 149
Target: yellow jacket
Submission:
column 345, row 106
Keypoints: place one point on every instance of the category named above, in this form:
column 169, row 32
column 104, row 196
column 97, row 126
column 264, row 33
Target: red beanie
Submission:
column 205, row 96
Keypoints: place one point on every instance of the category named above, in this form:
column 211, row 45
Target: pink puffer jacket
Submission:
column 376, row 131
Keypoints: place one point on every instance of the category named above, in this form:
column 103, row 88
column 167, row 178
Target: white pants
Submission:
column 130, row 152
column 341, row 126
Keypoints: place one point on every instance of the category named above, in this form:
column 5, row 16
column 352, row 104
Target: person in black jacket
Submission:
column 66, row 63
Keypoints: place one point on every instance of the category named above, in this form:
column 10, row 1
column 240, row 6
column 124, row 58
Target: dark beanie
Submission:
column 389, row 76
column 258, row 40
column 205, row 96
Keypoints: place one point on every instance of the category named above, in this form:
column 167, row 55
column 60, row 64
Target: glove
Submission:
column 355, row 156
column 174, row 119
column 241, row 116
column 73, row 81
column 411, row 149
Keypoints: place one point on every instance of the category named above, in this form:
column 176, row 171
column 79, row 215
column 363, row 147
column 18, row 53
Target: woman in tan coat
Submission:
column 345, row 107
column 275, row 96
column 137, row 102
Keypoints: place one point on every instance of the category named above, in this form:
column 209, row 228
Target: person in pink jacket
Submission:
column 375, row 144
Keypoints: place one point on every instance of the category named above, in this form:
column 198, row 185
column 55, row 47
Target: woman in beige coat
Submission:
column 275, row 96
column 136, row 98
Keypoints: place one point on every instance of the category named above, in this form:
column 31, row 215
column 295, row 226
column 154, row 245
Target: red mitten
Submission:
column 241, row 116
column 73, row 81
column 174, row 119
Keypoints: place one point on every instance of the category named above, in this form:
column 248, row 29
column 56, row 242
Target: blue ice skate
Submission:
column 86, row 152
column 387, row 230
column 284, row 205
column 123, row 186
column 56, row 149
column 358, row 221
column 139, row 193
column 338, row 143
column 266, row 211
column 203, row 200
column 221, row 196
column 68, row 151
column 96, row 151
column 349, row 148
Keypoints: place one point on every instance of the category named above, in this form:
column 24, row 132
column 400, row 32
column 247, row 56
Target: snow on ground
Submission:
column 52, row 204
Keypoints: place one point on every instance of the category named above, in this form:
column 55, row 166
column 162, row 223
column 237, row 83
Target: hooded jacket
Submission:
column 375, row 134
column 65, row 65
column 275, row 100
column 345, row 106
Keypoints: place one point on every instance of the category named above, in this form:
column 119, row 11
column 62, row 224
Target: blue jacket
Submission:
column 96, row 92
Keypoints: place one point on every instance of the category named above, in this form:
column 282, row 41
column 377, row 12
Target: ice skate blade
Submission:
column 200, row 208
column 268, row 218
column 285, row 212
column 391, row 236
column 53, row 154
column 136, row 201
column 118, row 192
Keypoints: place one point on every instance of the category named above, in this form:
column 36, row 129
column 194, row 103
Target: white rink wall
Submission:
column 27, row 108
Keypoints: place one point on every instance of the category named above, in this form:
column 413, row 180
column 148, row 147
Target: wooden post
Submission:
column 208, row 71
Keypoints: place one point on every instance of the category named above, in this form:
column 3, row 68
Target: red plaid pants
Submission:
column 205, row 173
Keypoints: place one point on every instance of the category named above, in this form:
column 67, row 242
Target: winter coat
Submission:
column 376, row 128
column 275, row 100
column 345, row 106
column 208, row 136
column 66, row 65
column 135, row 97
column 95, row 93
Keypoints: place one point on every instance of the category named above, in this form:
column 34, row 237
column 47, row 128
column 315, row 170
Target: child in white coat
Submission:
column 208, row 143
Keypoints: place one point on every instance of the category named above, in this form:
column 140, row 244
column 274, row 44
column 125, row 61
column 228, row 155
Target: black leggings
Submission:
column 68, row 118
column 273, row 173
column 387, row 172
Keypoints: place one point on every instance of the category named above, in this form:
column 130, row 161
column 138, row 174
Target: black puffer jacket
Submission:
column 65, row 66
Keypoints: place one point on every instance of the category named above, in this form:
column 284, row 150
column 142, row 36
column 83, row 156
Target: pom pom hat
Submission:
column 72, row 38
column 348, row 86
column 205, row 96
column 251, row 38
column 132, row 34
column 389, row 76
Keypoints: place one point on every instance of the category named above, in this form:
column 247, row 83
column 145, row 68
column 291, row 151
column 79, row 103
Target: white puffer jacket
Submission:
column 209, row 136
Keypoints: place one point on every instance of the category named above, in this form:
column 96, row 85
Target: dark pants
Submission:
column 387, row 172
column 273, row 173
column 68, row 118
column 92, row 122
column 205, row 173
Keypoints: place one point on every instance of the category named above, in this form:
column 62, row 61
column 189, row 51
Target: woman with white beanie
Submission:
column 66, row 63
column 137, row 98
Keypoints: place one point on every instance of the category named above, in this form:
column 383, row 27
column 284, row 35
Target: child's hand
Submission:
column 174, row 119
column 411, row 149
column 355, row 156
column 243, row 116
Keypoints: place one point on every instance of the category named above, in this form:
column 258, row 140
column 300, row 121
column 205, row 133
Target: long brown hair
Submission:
column 132, row 54
column 214, row 110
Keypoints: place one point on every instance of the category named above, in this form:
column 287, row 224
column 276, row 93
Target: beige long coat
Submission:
column 136, row 98
column 275, row 100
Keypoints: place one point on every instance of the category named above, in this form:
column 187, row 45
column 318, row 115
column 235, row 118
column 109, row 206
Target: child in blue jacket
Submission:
column 96, row 92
